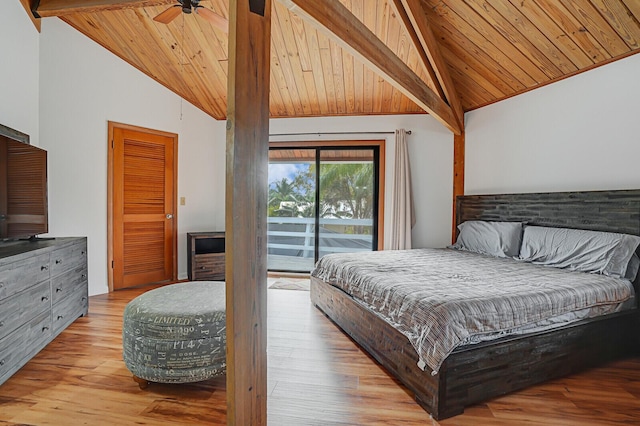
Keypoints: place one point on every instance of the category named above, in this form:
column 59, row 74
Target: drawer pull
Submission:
column 1, row 362
column 1, row 324
column 1, row 284
column 82, row 252
column 45, row 298
column 45, row 328
column 83, row 276
column 58, row 290
column 44, row 267
column 84, row 299
column 60, row 317
column 58, row 261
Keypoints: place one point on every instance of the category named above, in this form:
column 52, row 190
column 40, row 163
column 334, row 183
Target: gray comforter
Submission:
column 440, row 298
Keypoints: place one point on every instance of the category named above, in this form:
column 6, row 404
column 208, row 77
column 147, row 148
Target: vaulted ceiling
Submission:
column 488, row 50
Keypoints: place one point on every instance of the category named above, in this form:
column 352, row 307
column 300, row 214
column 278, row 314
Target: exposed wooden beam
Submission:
column 344, row 28
column 402, row 14
column 246, row 210
column 458, row 177
column 48, row 8
column 422, row 27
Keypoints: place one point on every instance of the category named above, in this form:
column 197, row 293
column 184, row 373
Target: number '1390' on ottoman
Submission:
column 176, row 333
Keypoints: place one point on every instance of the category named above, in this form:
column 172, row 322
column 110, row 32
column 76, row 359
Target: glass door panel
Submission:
column 291, row 210
column 347, row 201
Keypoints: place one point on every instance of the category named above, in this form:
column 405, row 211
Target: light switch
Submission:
column 183, row 201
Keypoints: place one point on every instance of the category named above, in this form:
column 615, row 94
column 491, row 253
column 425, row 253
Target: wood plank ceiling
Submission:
column 493, row 49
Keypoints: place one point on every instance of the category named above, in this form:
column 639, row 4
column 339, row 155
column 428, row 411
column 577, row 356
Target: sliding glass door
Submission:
column 321, row 200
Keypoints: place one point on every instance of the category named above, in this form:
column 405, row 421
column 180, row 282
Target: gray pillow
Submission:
column 499, row 239
column 604, row 253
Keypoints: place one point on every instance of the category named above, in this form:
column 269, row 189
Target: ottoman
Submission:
column 176, row 333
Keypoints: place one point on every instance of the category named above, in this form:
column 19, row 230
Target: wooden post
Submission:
column 246, row 210
column 458, row 176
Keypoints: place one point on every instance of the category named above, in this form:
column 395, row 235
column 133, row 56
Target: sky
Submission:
column 277, row 171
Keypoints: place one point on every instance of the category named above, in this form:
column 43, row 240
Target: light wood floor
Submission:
column 317, row 376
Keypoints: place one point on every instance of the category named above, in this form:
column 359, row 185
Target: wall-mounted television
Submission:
column 23, row 187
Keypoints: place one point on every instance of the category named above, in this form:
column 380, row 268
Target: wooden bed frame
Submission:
column 479, row 372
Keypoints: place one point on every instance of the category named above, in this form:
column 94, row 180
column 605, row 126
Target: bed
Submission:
column 471, row 373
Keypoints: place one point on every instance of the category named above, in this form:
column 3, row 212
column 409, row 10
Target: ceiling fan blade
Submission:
column 215, row 19
column 169, row 14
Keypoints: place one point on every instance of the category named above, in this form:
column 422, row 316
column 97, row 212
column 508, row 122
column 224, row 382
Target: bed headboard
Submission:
column 611, row 211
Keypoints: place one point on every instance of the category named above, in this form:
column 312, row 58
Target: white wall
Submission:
column 19, row 47
column 431, row 152
column 82, row 86
column 582, row 133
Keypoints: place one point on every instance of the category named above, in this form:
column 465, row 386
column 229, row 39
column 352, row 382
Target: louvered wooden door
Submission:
column 143, row 207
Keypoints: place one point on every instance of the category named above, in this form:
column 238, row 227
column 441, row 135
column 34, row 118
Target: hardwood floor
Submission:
column 317, row 376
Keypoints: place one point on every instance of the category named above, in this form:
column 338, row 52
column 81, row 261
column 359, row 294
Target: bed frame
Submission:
column 479, row 372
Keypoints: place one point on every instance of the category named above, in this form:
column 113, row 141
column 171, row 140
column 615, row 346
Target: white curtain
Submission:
column 402, row 212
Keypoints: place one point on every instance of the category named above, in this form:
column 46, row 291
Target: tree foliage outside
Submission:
column 346, row 192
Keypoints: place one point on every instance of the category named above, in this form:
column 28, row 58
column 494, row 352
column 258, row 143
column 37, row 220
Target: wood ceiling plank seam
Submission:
column 430, row 46
column 472, row 87
column 293, row 72
column 414, row 63
column 195, row 89
column 380, row 31
column 621, row 19
column 279, row 78
column 556, row 35
column 349, row 83
column 634, row 8
column 574, row 29
column 370, row 17
column 278, row 43
column 324, row 45
column 475, row 76
column 392, row 41
column 599, row 28
column 297, row 25
column 276, row 104
column 470, row 33
column 431, row 78
column 206, row 35
column 316, row 64
column 304, row 80
column 502, row 80
column 507, row 36
column 338, row 77
column 541, row 47
column 405, row 47
column 176, row 55
column 357, row 8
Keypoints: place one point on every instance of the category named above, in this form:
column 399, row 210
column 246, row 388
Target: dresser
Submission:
column 43, row 289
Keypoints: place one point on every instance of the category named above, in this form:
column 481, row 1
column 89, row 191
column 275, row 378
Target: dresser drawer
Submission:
column 68, row 310
column 209, row 267
column 69, row 283
column 67, row 258
column 18, row 347
column 16, row 276
column 21, row 307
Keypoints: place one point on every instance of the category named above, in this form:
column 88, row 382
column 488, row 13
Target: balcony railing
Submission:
column 290, row 241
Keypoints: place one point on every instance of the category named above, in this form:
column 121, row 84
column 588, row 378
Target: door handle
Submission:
column 169, row 216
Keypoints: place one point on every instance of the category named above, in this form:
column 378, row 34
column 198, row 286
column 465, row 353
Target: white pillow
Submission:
column 499, row 239
column 604, row 253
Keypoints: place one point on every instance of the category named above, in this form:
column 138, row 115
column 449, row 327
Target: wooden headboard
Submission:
column 611, row 211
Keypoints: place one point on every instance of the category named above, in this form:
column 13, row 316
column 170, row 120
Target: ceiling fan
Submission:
column 188, row 6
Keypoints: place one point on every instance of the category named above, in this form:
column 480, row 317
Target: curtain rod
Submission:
column 335, row 133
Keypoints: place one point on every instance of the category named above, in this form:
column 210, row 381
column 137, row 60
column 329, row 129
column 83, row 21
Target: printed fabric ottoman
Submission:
column 176, row 333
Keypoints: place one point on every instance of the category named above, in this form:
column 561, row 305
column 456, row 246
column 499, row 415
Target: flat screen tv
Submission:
column 23, row 187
